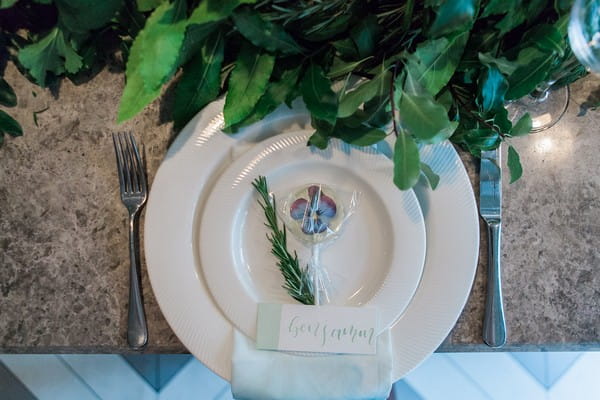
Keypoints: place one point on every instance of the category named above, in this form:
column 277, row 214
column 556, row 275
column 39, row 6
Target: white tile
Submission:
column 499, row 375
column 225, row 394
column 536, row 363
column 47, row 377
column 438, row 378
column 194, row 381
column 559, row 363
column 581, row 381
column 111, row 377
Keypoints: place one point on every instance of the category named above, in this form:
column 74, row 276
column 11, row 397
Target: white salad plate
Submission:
column 193, row 165
column 375, row 259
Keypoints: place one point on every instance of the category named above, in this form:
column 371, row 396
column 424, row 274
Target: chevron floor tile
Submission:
column 447, row 376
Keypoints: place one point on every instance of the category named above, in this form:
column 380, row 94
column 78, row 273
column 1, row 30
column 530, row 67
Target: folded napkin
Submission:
column 274, row 375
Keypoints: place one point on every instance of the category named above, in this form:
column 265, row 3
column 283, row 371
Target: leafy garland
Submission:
column 297, row 281
column 433, row 69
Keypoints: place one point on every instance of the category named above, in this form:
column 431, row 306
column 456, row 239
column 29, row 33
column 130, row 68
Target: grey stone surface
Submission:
column 63, row 238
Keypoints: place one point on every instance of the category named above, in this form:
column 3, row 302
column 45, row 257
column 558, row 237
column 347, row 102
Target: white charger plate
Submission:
column 377, row 261
column 179, row 191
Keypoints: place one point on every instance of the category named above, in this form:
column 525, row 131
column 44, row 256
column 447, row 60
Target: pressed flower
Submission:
column 315, row 213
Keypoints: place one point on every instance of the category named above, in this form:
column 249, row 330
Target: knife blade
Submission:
column 490, row 208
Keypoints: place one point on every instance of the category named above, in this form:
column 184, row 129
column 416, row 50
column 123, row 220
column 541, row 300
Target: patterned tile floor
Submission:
column 460, row 376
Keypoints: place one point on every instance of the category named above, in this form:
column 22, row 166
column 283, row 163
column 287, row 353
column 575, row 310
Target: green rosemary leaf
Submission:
column 296, row 279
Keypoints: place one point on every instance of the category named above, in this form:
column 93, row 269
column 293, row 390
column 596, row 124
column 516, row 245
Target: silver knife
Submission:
column 490, row 208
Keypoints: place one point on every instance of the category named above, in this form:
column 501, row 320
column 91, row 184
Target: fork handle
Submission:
column 137, row 330
column 494, row 325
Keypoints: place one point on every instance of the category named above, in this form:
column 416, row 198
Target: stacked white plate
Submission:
column 411, row 254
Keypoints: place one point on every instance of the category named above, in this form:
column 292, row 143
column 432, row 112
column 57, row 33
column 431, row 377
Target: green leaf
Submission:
column 7, row 3
column 9, row 125
column 546, row 38
column 482, row 139
column 247, row 83
column 148, row 5
column 502, row 122
column 341, row 67
column 407, row 164
column 422, row 116
column 50, row 54
column 264, row 33
column 453, row 16
column 320, row 100
column 152, row 60
column 527, row 77
column 432, row 177
column 505, row 66
column 365, row 35
column 434, row 61
column 495, row 7
column 359, row 136
column 523, row 126
column 492, row 88
column 514, row 164
column 514, row 10
column 319, row 140
column 8, row 97
column 277, row 92
column 201, row 80
column 81, row 16
column 194, row 40
column 215, row 10
column 351, row 101
column 346, row 48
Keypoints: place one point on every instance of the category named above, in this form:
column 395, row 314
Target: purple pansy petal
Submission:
column 312, row 226
column 313, row 190
column 326, row 206
column 298, row 208
column 307, row 226
column 319, row 226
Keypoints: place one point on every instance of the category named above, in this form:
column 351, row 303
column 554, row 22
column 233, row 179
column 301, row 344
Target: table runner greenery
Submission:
column 424, row 71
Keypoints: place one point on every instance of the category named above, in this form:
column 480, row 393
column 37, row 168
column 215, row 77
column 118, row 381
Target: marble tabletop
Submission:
column 63, row 236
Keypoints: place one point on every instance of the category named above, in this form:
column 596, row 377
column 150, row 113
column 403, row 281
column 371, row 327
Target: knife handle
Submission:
column 494, row 325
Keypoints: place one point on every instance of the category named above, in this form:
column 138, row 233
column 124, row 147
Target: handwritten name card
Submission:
column 323, row 329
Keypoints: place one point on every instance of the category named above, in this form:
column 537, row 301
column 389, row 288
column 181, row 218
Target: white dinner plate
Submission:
column 178, row 195
column 376, row 261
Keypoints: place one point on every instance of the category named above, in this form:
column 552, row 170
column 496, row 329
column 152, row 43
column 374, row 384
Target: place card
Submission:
column 320, row 329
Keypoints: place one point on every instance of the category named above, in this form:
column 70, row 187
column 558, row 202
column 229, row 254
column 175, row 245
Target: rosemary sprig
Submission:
column 297, row 282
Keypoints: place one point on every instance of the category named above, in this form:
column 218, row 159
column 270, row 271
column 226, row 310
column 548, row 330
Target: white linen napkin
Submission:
column 275, row 375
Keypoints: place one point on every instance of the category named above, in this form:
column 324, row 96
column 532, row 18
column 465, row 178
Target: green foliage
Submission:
column 514, row 164
column 264, row 33
column 81, row 16
column 9, row 125
column 320, row 99
column 422, row 116
column 248, row 82
column 51, row 54
column 8, row 97
column 201, row 80
column 297, row 280
column 7, row 3
column 407, row 164
column 148, row 5
column 492, row 89
column 432, row 177
column 434, row 61
column 445, row 69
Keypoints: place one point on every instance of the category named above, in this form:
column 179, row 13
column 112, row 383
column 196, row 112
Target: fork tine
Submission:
column 134, row 168
column 120, row 162
column 141, row 170
column 127, row 164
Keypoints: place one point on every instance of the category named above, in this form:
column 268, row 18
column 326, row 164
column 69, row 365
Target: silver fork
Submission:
column 132, row 182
